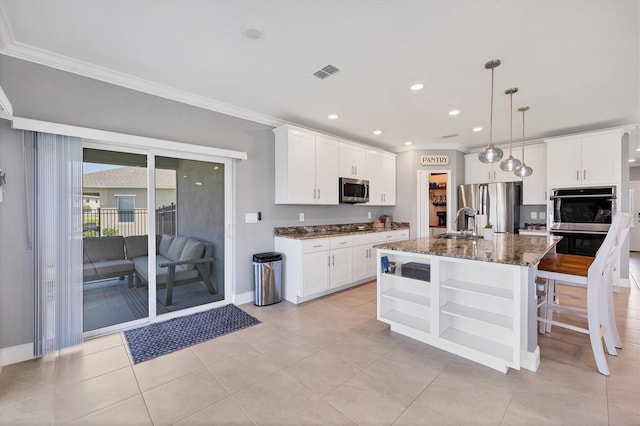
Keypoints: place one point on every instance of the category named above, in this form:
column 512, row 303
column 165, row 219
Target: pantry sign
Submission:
column 434, row 160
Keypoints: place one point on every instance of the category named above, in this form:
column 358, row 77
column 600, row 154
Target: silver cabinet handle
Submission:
column 356, row 169
column 577, row 174
column 318, row 194
column 489, row 175
column 494, row 175
column 318, row 246
column 314, row 194
column 584, row 174
column 344, row 242
column 328, row 260
column 333, row 261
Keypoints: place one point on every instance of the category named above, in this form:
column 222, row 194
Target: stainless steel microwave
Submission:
column 354, row 190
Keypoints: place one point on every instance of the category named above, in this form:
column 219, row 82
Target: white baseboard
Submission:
column 14, row 354
column 624, row 283
column 242, row 298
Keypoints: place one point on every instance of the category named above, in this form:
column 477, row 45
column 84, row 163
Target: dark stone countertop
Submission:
column 509, row 249
column 324, row 231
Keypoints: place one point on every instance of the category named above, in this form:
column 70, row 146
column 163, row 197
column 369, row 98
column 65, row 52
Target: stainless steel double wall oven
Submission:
column 583, row 217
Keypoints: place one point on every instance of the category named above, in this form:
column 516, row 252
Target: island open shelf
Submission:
column 475, row 304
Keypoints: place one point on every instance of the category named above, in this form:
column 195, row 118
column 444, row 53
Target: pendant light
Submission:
column 491, row 154
column 510, row 164
column 523, row 170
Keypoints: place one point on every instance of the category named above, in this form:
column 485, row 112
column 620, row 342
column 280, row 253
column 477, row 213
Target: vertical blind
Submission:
column 58, row 232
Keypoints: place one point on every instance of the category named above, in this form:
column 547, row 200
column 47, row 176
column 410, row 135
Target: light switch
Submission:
column 534, row 215
column 251, row 218
column 368, row 215
column 301, row 217
column 542, row 215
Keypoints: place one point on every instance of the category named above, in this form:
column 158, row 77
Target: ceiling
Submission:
column 576, row 63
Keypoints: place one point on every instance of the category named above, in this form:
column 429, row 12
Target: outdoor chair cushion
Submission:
column 136, row 245
column 192, row 250
column 98, row 270
column 165, row 243
column 98, row 249
column 182, row 272
column 175, row 251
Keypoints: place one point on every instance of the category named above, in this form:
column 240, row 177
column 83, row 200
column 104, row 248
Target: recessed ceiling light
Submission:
column 408, row 143
column 632, row 160
column 454, row 112
column 333, row 116
column 418, row 85
column 377, row 132
column 477, row 129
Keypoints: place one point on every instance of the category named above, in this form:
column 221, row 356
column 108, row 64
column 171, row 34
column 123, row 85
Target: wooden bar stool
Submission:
column 596, row 275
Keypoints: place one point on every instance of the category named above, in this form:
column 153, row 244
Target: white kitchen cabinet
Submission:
column 316, row 267
column 305, row 168
column 534, row 187
column 475, row 171
column 589, row 159
column 353, row 161
column 381, row 174
column 316, row 273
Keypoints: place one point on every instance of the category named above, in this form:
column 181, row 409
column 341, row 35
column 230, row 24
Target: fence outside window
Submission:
column 112, row 221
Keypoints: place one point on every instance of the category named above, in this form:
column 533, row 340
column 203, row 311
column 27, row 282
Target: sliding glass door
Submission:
column 182, row 202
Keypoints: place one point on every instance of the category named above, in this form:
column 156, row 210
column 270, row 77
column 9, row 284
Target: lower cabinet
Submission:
column 316, row 267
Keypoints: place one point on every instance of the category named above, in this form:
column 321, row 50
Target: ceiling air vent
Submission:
column 452, row 135
column 326, row 72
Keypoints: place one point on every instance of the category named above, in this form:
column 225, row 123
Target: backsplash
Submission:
column 344, row 227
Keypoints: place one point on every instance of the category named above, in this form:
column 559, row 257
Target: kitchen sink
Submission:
column 456, row 236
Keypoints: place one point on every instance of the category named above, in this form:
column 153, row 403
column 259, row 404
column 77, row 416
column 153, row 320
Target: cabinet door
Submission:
column 353, row 161
column 370, row 262
column 360, row 257
column 475, row 171
column 340, row 270
column 315, row 272
column 499, row 175
column 302, row 168
column 388, row 180
column 326, row 171
column 564, row 166
column 374, row 176
column 534, row 187
column 601, row 158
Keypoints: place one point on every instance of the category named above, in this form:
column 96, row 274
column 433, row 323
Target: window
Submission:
column 126, row 206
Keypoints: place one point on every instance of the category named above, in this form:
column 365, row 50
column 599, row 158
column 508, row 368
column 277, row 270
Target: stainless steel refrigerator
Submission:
column 500, row 201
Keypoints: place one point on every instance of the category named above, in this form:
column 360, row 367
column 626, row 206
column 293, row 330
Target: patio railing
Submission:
column 111, row 221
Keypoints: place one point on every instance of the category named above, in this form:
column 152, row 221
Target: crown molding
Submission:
column 443, row 146
column 9, row 47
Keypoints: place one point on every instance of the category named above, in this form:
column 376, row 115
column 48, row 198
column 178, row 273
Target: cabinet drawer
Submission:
column 341, row 242
column 394, row 236
column 368, row 238
column 319, row 244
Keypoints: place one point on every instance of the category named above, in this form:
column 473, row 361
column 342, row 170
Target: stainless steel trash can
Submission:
column 267, row 278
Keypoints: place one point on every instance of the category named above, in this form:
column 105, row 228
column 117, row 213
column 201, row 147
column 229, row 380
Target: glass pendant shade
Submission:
column 510, row 164
column 523, row 170
column 491, row 154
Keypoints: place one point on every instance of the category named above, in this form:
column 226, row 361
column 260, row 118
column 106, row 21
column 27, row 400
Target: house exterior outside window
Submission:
column 126, row 205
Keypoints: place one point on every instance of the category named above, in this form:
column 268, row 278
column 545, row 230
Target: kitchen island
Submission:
column 472, row 297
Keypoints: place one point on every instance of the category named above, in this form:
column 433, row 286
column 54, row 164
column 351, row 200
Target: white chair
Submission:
column 594, row 274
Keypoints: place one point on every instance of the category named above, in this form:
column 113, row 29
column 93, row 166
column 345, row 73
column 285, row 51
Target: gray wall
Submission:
column 634, row 174
column 47, row 94
column 408, row 165
column 16, row 261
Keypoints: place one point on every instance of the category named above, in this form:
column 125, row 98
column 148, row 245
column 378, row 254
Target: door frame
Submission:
column 634, row 196
column 229, row 241
column 423, row 200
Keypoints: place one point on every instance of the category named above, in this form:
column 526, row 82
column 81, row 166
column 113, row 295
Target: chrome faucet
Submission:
column 473, row 212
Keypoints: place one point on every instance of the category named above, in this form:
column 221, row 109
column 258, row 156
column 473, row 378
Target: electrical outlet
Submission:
column 534, row 215
column 542, row 215
column 368, row 215
column 301, row 217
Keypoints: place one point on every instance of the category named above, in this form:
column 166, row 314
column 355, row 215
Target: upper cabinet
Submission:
column 475, row 171
column 381, row 174
column 306, row 168
column 353, row 161
column 590, row 159
column 534, row 187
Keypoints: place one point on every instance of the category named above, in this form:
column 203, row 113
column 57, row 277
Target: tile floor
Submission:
column 327, row 362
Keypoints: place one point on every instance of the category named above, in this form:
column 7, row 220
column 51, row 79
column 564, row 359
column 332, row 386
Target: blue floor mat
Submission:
column 162, row 338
